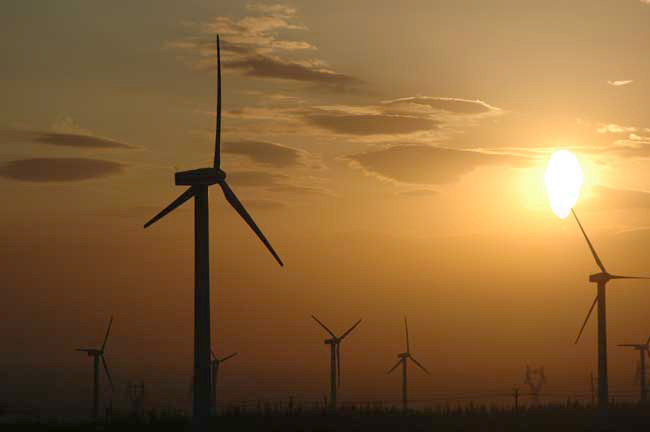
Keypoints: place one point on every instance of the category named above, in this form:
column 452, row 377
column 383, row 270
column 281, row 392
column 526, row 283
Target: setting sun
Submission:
column 563, row 180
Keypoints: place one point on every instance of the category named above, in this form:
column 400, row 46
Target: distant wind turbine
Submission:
column 335, row 359
column 403, row 358
column 601, row 280
column 96, row 354
column 643, row 350
column 198, row 181
column 214, row 372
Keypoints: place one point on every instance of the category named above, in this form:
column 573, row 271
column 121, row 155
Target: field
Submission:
column 556, row 418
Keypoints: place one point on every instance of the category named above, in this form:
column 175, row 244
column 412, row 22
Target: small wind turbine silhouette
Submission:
column 601, row 280
column 214, row 371
column 403, row 357
column 96, row 354
column 335, row 359
column 643, row 350
column 198, row 181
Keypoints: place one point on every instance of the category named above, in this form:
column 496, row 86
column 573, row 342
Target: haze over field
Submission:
column 393, row 154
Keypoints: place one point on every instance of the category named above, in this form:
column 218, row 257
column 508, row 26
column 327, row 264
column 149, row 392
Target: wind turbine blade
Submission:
column 84, row 349
column 394, row 367
column 648, row 341
column 232, row 199
column 226, row 358
column 586, row 319
column 629, row 345
column 350, row 329
column 324, row 326
column 217, row 137
column 593, row 251
column 338, row 362
column 419, row 365
column 406, row 326
column 189, row 193
column 108, row 374
column 108, row 331
column 628, row 277
column 213, row 356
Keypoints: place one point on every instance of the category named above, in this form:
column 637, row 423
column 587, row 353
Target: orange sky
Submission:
column 394, row 157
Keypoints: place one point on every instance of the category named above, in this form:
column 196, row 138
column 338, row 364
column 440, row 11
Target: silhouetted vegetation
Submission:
column 571, row 416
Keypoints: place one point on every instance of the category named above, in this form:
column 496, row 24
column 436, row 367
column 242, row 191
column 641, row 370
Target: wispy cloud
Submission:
column 414, row 119
column 620, row 83
column 253, row 45
column 59, row 169
column 267, row 153
column 80, row 140
column 421, row 164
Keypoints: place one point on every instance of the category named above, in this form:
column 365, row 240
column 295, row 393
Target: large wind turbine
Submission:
column 214, row 372
column 601, row 280
column 198, row 181
column 96, row 354
column 335, row 359
column 403, row 357
column 643, row 349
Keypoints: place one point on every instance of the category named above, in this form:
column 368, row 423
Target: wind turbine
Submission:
column 214, row 371
column 96, row 354
column 600, row 279
column 643, row 349
column 403, row 358
column 335, row 359
column 198, row 181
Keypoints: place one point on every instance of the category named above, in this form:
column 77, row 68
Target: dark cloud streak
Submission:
column 422, row 164
column 59, row 169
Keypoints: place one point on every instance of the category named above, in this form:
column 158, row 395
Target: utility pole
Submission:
column 515, row 394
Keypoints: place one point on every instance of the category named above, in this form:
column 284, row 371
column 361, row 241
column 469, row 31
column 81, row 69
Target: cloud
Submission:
column 253, row 45
column 264, row 204
column 452, row 105
column 615, row 128
column 422, row 164
column 299, row 190
column 269, row 67
column 369, row 124
column 419, row 193
column 620, row 83
column 267, row 153
column 59, row 169
column 62, row 139
column 79, row 141
column 255, row 178
column 276, row 183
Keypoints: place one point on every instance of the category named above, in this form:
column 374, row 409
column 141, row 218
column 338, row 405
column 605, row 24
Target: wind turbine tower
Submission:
column 600, row 279
column 97, row 354
column 199, row 180
column 214, row 372
column 403, row 360
column 643, row 350
column 335, row 360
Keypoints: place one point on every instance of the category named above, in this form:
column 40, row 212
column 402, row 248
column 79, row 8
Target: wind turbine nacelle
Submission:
column 402, row 355
column 599, row 277
column 201, row 176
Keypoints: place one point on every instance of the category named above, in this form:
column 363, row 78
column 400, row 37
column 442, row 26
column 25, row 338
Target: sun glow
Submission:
column 563, row 180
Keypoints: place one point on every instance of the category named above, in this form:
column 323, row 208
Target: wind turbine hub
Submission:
column 201, row 176
column 600, row 277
